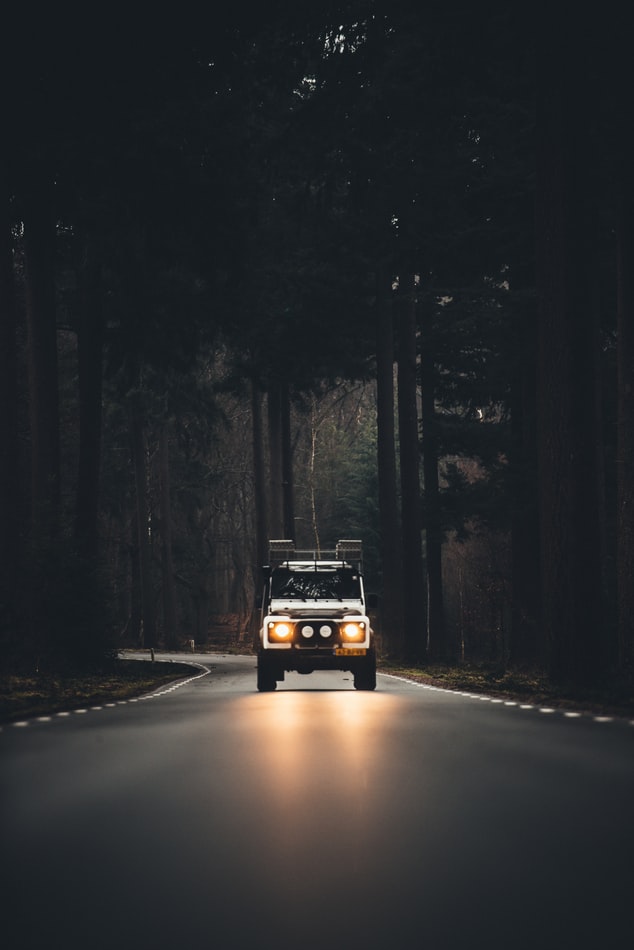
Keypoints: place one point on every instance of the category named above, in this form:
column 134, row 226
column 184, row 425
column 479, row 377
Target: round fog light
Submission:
column 307, row 632
column 325, row 631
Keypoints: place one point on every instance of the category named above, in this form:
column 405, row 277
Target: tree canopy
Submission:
column 210, row 220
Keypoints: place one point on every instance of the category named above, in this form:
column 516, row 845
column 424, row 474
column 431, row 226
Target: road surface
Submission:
column 211, row 815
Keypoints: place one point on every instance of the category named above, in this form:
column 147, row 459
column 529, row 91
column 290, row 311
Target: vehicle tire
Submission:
column 365, row 674
column 266, row 678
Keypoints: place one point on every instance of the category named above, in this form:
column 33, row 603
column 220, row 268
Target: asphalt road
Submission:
column 210, row 815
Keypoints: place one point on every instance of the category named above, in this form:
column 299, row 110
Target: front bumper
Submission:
column 307, row 661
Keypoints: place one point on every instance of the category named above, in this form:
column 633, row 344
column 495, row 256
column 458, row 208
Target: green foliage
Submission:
column 355, row 511
column 336, row 447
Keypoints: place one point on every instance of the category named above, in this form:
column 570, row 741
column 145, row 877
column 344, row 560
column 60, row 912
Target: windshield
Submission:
column 316, row 585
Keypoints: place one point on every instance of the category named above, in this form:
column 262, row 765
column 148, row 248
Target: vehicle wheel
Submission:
column 365, row 674
column 266, row 679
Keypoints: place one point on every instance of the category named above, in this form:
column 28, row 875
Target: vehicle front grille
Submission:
column 316, row 633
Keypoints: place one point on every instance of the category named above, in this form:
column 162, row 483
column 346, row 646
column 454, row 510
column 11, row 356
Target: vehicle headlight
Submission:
column 280, row 630
column 353, row 631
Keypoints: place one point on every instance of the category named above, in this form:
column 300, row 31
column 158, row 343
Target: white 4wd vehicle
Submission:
column 313, row 615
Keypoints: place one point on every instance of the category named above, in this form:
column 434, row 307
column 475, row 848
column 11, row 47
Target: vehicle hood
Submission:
column 316, row 608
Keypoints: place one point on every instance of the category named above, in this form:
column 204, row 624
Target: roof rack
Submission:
column 350, row 549
column 347, row 549
column 281, row 550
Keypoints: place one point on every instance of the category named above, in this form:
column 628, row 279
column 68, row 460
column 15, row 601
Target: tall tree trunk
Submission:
column 391, row 611
column 167, row 561
column 625, row 446
column 567, row 372
column 201, row 605
column 414, row 599
column 10, row 491
column 311, row 479
column 260, row 495
column 39, row 245
column 433, row 529
column 134, row 625
column 288, row 499
column 619, row 76
column 39, row 257
column 525, row 642
column 90, row 373
column 148, row 612
column 276, row 509
column 259, row 484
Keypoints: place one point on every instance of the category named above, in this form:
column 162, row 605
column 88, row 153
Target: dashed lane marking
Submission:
column 66, row 713
column 495, row 700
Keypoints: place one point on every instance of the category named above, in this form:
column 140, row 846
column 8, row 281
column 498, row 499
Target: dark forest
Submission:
column 315, row 271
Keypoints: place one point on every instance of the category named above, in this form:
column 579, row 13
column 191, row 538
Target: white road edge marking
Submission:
column 22, row 723
column 566, row 713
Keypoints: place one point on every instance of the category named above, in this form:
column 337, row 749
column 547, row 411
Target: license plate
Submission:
column 341, row 651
